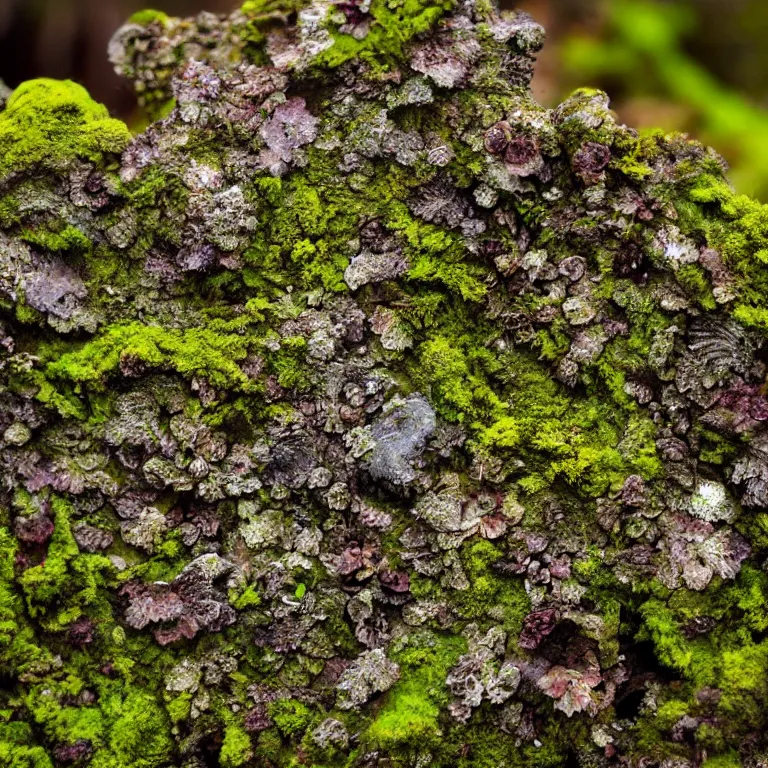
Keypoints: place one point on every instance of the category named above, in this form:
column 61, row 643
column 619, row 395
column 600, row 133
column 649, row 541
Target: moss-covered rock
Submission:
column 362, row 412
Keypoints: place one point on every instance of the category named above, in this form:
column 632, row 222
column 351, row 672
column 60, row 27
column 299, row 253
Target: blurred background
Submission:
column 699, row 66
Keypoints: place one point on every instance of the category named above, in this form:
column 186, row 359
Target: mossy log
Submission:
column 362, row 412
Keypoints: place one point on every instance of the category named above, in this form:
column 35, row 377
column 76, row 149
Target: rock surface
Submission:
column 362, row 412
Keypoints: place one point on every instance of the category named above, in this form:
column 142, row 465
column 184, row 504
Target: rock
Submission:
column 359, row 410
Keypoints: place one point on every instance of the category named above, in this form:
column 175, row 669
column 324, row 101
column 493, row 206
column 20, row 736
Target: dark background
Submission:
column 700, row 66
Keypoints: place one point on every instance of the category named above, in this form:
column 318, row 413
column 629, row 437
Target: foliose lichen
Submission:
column 361, row 412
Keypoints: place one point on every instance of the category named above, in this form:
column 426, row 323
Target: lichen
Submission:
column 360, row 412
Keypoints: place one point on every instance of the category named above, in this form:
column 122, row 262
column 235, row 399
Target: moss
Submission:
column 27, row 315
column 66, row 722
column 581, row 440
column 290, row 365
column 262, row 8
column 152, row 195
column 17, row 748
column 179, row 707
column 50, row 123
column 485, row 745
column 63, row 238
column 19, row 649
column 715, row 448
column 269, row 748
column 410, row 717
column 394, row 24
column 194, row 352
column 727, row 659
column 729, row 760
column 140, row 735
column 632, row 167
column 437, row 256
column 148, row 16
column 491, row 597
column 711, row 738
column 740, row 233
column 291, row 716
column 65, row 578
column 671, row 646
column 236, row 747
column 128, row 729
column 248, row 598
column 453, row 370
column 321, row 264
column 693, row 278
column 744, row 683
column 305, row 220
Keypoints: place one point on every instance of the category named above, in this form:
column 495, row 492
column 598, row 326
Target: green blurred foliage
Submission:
column 642, row 50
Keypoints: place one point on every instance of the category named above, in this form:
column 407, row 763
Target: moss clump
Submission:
column 236, row 747
column 394, row 25
column 291, row 716
column 49, row 123
column 202, row 352
column 148, row 16
column 409, row 720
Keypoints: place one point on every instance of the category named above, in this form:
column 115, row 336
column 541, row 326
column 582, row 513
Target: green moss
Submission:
column 693, row 278
column 452, row 369
column 301, row 234
column 270, row 747
column 66, row 722
column 236, row 747
column 66, row 579
column 490, row 597
column 50, row 123
column 632, row 167
column 581, row 440
column 291, row 716
column 321, row 264
column 139, row 736
column 727, row 659
column 148, row 16
column 744, row 682
column 395, row 23
column 19, row 649
column 711, row 738
column 194, row 352
column 17, row 748
column 27, row 315
column 729, row 760
column 259, row 8
column 248, row 598
column 63, row 238
column 740, row 234
column 179, row 707
column 126, row 729
column 671, row 646
column 409, row 718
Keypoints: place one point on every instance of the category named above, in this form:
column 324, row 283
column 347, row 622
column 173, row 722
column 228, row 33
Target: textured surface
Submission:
column 362, row 412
